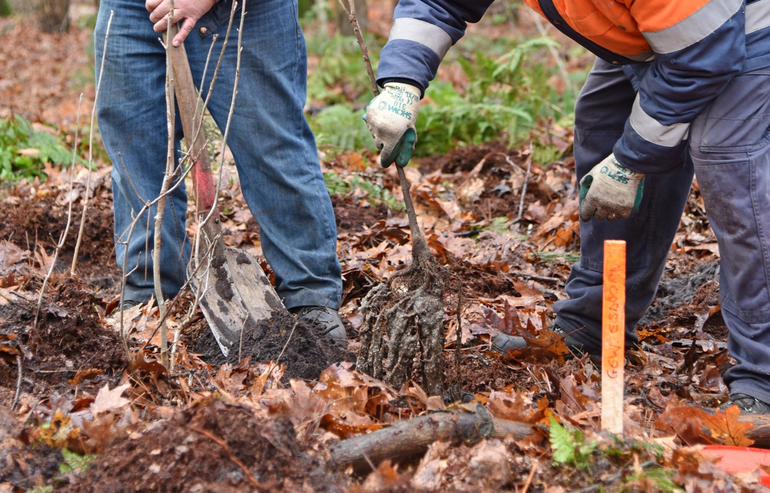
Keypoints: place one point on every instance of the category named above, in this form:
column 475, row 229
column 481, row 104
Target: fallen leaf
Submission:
column 726, row 428
column 109, row 400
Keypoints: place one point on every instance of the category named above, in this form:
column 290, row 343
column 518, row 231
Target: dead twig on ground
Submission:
column 524, row 187
column 408, row 438
column 18, row 382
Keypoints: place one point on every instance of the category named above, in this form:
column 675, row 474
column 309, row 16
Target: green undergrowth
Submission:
column 514, row 88
column 375, row 193
column 615, row 458
column 25, row 151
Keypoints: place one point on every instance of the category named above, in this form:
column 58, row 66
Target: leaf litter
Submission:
column 253, row 424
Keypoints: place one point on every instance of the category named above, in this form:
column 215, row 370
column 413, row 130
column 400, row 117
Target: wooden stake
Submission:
column 613, row 334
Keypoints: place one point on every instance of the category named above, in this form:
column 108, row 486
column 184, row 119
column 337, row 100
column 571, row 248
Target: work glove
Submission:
column 610, row 191
column 390, row 118
column 189, row 10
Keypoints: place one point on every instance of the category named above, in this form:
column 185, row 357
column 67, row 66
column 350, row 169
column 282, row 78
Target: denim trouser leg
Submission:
column 273, row 146
column 131, row 112
column 601, row 111
column 730, row 147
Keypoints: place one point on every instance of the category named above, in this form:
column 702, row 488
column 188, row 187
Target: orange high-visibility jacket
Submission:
column 682, row 52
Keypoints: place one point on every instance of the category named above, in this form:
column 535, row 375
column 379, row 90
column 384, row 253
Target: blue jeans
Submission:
column 729, row 151
column 273, row 146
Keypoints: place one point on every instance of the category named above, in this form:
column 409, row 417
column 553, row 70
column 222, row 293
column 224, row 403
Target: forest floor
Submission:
column 84, row 385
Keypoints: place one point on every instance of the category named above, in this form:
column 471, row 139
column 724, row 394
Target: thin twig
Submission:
column 530, row 476
column 524, row 187
column 458, row 340
column 288, row 339
column 64, row 234
column 559, row 63
column 351, row 13
column 420, row 249
column 90, row 149
column 18, row 382
column 233, row 458
column 170, row 166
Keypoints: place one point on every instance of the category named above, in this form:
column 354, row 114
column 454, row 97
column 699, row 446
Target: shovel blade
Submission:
column 234, row 294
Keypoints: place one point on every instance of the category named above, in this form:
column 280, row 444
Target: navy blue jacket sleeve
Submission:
column 423, row 31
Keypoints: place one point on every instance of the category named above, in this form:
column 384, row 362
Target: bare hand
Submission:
column 189, row 10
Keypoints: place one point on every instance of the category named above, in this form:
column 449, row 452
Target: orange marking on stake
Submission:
column 613, row 334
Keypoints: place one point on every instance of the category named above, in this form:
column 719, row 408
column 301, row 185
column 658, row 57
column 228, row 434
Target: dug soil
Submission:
column 283, row 338
column 212, row 446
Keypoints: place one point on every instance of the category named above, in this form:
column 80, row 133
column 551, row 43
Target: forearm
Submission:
column 422, row 33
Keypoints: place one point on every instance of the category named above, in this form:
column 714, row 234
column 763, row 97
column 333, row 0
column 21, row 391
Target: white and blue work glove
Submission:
column 610, row 191
column 390, row 118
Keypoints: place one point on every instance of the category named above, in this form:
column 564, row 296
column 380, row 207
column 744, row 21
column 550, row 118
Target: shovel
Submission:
column 234, row 292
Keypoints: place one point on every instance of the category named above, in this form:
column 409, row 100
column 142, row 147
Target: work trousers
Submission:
column 729, row 151
column 273, row 146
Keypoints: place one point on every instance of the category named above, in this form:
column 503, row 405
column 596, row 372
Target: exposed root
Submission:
column 401, row 319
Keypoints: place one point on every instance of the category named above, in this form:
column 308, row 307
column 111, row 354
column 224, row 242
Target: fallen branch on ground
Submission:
column 405, row 439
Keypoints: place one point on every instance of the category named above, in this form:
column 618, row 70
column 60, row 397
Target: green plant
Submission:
column 339, row 75
column 554, row 256
column 545, row 153
column 340, row 127
column 662, row 478
column 375, row 193
column 42, row 489
column 504, row 98
column 335, row 185
column 24, row 152
column 74, row 462
column 570, row 446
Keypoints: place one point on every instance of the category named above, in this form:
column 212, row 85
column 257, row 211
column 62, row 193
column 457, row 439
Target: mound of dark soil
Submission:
column 212, row 447
column 69, row 336
column 296, row 342
column 40, row 223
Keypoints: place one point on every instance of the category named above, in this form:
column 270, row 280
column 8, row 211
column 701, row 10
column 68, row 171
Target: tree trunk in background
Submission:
column 5, row 8
column 53, row 15
column 341, row 21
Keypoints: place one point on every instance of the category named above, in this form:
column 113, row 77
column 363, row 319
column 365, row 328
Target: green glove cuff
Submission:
column 585, row 184
column 638, row 199
column 403, row 150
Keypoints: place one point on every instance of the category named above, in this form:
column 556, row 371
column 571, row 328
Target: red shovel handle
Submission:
column 187, row 101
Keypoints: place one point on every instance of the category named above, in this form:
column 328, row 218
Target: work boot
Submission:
column 747, row 404
column 326, row 317
column 502, row 343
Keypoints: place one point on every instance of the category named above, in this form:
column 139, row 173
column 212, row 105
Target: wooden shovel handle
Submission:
column 187, row 101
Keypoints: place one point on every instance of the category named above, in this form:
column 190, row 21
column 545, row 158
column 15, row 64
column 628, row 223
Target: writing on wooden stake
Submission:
column 613, row 334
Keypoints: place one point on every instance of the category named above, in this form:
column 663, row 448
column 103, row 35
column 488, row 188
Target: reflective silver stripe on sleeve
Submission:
column 421, row 32
column 694, row 28
column 757, row 16
column 652, row 131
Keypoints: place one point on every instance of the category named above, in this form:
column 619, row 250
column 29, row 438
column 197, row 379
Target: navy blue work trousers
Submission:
column 729, row 151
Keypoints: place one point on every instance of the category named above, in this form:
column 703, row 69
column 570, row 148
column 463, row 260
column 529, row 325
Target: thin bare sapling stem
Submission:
column 420, row 250
column 170, row 158
column 64, row 234
column 90, row 150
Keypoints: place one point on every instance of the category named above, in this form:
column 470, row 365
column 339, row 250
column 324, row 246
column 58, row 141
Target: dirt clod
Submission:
column 296, row 342
column 215, row 446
